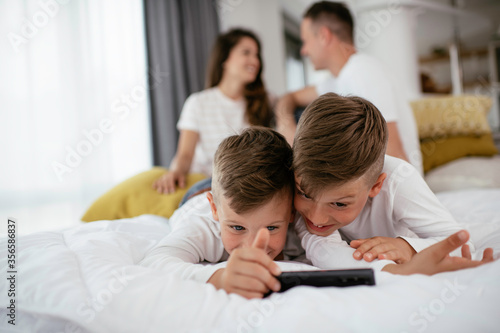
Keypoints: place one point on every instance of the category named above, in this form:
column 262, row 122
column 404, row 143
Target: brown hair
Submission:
column 258, row 110
column 335, row 16
column 339, row 139
column 251, row 168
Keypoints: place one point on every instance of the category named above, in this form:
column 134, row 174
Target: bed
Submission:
column 86, row 279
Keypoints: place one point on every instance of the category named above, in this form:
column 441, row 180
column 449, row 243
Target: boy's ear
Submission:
column 213, row 207
column 378, row 185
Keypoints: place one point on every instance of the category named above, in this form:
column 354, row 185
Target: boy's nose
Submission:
column 317, row 216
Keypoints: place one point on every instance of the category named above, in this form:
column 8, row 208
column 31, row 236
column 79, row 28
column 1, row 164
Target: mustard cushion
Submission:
column 136, row 196
column 436, row 152
column 452, row 116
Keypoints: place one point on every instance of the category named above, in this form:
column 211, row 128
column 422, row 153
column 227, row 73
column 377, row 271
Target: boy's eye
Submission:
column 339, row 204
column 302, row 194
column 237, row 227
column 271, row 228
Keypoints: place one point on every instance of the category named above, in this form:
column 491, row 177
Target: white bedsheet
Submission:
column 85, row 279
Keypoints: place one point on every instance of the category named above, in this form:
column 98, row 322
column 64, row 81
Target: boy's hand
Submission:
column 436, row 258
column 249, row 271
column 395, row 249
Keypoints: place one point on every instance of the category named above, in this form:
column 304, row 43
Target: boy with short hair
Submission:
column 245, row 221
column 252, row 189
column 346, row 182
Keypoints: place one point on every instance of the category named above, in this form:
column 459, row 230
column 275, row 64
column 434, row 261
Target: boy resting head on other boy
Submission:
column 344, row 181
column 245, row 221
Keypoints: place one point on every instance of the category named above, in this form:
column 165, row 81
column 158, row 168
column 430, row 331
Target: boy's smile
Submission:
column 336, row 206
column 318, row 228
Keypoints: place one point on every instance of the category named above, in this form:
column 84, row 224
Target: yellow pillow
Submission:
column 451, row 116
column 436, row 152
column 136, row 196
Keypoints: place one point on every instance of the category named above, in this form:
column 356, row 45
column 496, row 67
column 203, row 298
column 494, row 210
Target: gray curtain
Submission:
column 180, row 35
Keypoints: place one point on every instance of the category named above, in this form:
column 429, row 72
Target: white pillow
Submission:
column 465, row 173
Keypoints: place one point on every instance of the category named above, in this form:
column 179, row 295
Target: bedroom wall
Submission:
column 264, row 18
column 402, row 39
column 435, row 31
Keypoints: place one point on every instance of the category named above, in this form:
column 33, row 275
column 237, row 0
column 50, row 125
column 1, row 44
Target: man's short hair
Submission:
column 251, row 168
column 339, row 139
column 335, row 16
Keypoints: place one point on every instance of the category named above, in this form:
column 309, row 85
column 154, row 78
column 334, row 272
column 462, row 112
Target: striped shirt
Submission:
column 214, row 116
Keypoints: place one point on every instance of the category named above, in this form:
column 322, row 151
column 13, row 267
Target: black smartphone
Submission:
column 327, row 278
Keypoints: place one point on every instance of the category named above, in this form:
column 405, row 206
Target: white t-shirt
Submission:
column 365, row 77
column 214, row 116
column 195, row 238
column 405, row 207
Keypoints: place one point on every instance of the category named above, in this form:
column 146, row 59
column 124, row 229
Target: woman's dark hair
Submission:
column 258, row 110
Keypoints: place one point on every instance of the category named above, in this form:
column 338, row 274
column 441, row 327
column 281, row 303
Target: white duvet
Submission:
column 86, row 279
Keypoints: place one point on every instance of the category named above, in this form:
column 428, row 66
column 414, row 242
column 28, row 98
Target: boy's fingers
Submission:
column 255, row 270
column 267, row 281
column 371, row 249
column 262, row 239
column 457, row 263
column 357, row 242
column 368, row 244
column 466, row 252
column 260, row 257
column 488, row 255
column 249, row 283
column 248, row 294
column 368, row 257
column 389, row 255
column 444, row 247
column 382, row 248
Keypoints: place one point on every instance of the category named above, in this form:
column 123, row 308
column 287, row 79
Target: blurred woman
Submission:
column 235, row 99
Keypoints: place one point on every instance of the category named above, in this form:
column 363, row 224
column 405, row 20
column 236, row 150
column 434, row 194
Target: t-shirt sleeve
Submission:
column 416, row 206
column 190, row 115
column 182, row 251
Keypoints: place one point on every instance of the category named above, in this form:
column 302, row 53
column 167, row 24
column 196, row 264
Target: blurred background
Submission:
column 91, row 90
